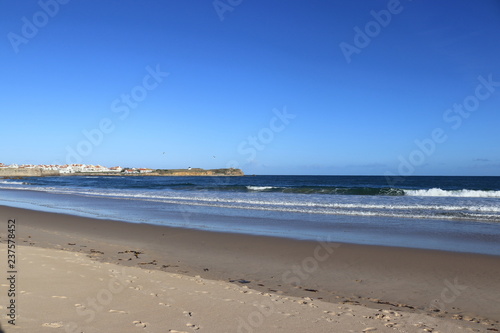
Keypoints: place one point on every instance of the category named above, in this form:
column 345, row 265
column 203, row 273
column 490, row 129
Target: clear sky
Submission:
column 273, row 87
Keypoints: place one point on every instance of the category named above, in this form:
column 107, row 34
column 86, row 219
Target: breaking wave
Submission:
column 437, row 192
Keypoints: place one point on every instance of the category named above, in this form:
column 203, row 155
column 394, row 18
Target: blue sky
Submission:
column 273, row 87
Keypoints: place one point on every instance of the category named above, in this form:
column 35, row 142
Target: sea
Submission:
column 460, row 214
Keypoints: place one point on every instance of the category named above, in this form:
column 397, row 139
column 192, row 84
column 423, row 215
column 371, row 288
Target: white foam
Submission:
column 437, row 192
column 10, row 182
column 260, row 188
column 458, row 204
column 274, row 203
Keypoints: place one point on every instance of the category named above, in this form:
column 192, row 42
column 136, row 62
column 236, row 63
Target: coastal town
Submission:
column 38, row 170
column 76, row 168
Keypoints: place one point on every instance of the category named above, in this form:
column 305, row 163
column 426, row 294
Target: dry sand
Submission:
column 86, row 275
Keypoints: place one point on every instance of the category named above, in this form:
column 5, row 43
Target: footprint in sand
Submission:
column 193, row 326
column 58, row 324
column 201, row 292
column 138, row 287
column 139, row 323
column 331, row 313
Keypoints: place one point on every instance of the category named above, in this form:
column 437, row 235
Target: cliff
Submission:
column 198, row 172
column 35, row 172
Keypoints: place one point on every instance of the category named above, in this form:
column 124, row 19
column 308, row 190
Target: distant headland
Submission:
column 30, row 170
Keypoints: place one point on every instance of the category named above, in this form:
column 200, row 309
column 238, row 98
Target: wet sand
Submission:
column 317, row 284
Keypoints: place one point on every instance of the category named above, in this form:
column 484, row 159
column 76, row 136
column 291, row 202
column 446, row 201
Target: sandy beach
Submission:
column 77, row 274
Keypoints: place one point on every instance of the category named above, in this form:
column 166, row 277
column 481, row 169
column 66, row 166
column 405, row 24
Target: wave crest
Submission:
column 437, row 192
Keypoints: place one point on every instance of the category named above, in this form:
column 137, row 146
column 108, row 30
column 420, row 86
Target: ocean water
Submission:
column 446, row 213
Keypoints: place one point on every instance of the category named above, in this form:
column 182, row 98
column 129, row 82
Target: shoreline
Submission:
column 445, row 285
column 441, row 235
